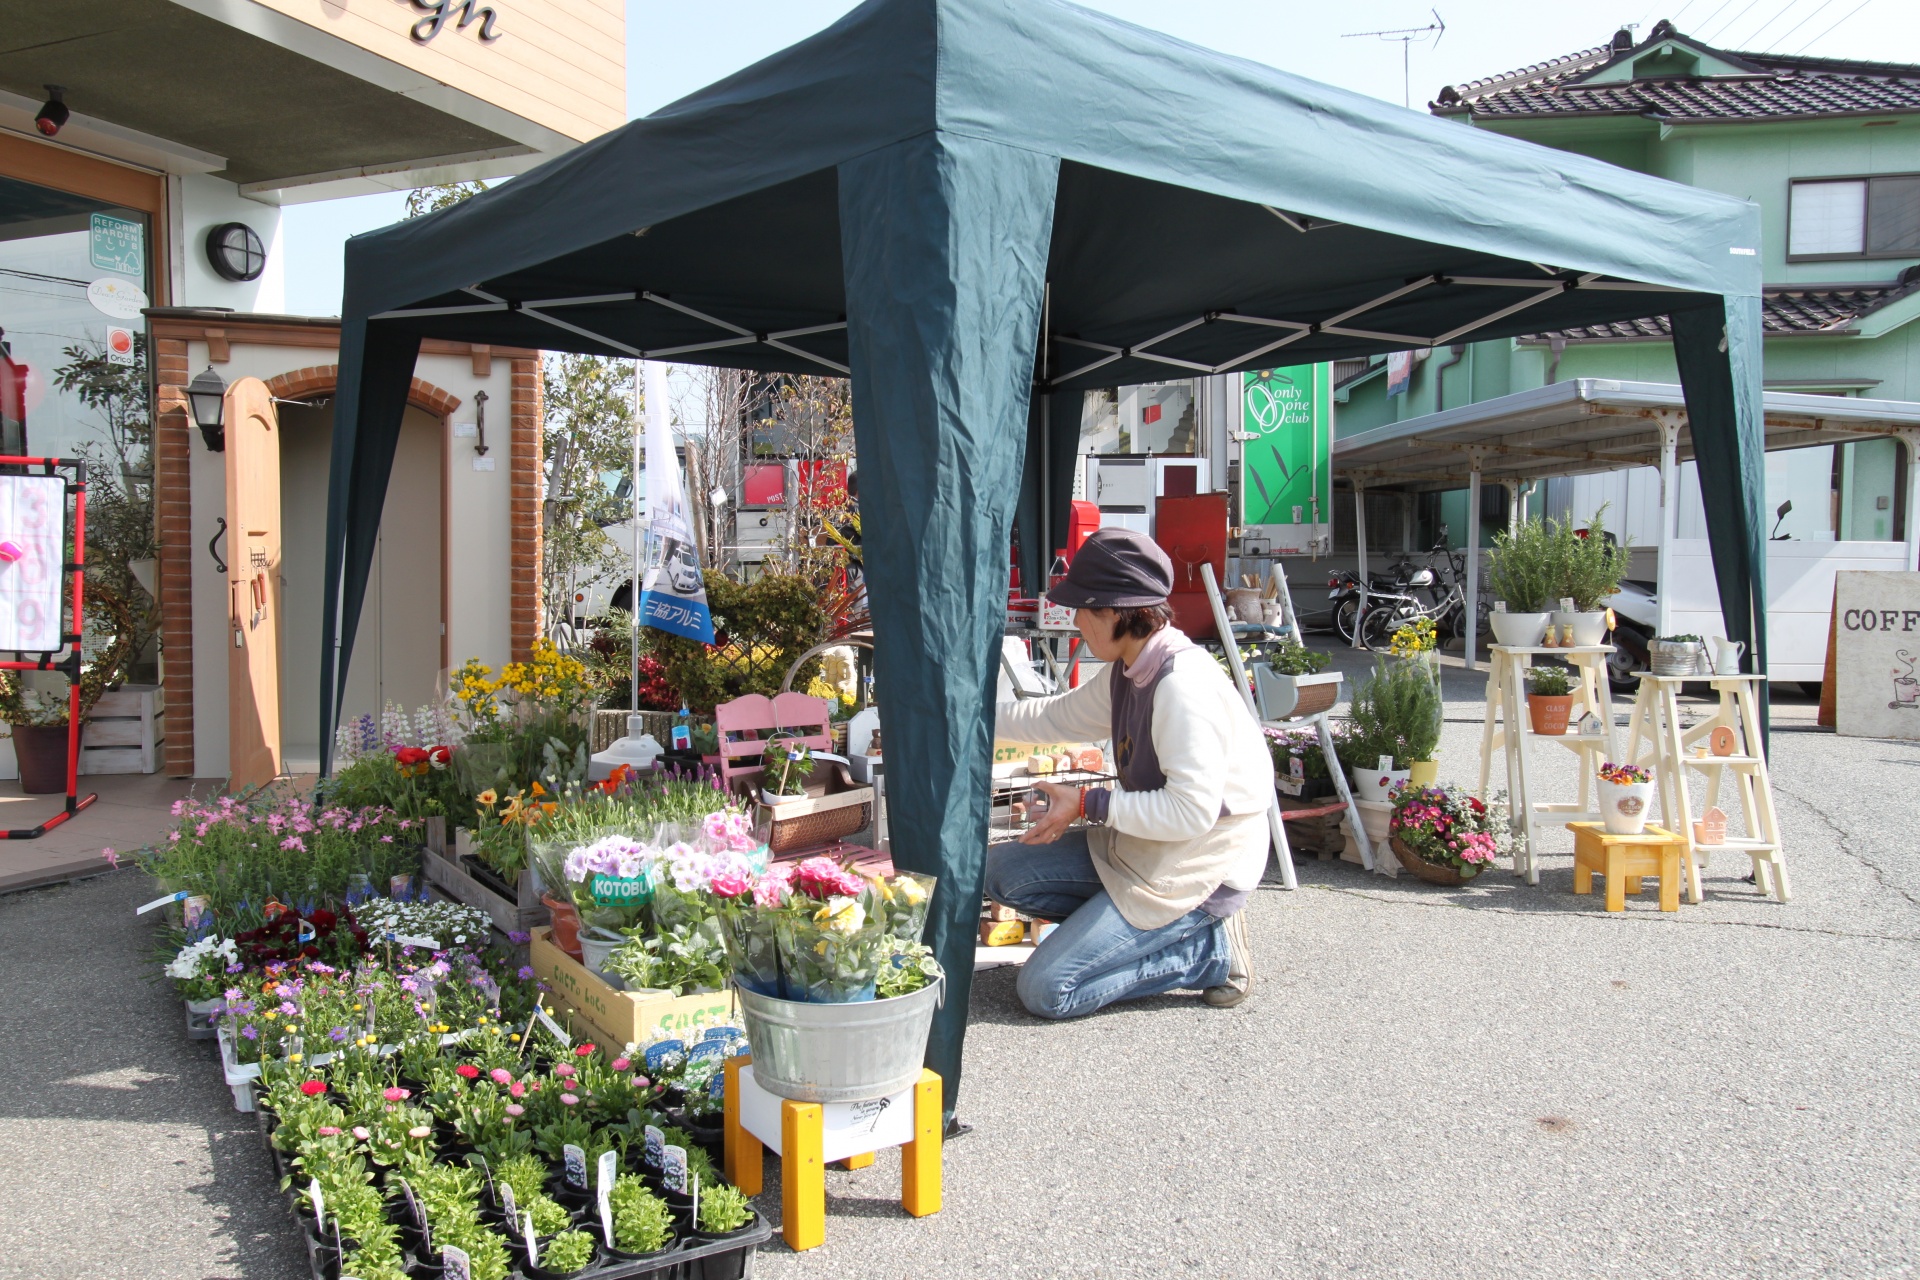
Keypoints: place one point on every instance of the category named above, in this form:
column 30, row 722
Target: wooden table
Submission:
column 1508, row 730
column 1625, row 859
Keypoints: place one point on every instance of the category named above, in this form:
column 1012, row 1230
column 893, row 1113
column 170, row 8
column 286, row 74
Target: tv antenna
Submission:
column 1407, row 36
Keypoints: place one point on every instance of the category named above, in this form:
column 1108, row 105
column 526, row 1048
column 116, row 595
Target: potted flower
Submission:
column 1589, row 568
column 642, row 1222
column 564, row 1255
column 1681, row 655
column 1522, row 577
column 1549, row 699
column 1395, row 713
column 1626, row 793
column 786, row 765
column 199, row 973
column 1300, row 766
column 1442, row 834
column 1293, row 682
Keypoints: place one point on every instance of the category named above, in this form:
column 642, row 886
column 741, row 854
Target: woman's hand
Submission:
column 1063, row 806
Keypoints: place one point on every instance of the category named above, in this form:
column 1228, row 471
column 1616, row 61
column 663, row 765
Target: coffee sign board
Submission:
column 1876, row 661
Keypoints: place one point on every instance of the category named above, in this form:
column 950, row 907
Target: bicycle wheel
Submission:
column 1343, row 618
column 1377, row 631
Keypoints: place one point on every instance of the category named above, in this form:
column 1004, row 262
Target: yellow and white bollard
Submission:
column 807, row 1136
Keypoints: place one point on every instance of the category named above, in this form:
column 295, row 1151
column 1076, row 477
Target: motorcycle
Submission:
column 1636, row 617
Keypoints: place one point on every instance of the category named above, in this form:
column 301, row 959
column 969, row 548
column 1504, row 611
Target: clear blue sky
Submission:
column 675, row 47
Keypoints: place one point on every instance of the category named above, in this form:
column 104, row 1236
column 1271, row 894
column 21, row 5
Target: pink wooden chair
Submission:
column 745, row 724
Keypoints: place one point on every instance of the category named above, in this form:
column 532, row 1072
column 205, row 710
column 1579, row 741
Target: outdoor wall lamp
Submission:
column 208, row 396
column 54, row 113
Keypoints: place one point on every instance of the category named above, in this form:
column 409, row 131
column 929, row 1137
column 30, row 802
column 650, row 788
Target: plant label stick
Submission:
column 576, row 1161
column 533, row 1249
column 318, row 1199
column 455, row 1264
column 559, row 1032
column 181, row 896
column 673, row 1169
column 526, row 1037
column 608, row 1161
column 510, row 1206
column 656, row 1146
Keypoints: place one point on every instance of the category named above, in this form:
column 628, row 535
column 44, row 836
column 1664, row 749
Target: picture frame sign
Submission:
column 1876, row 638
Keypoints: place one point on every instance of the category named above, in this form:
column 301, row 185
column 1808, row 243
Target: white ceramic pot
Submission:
column 597, row 945
column 1588, row 628
column 768, row 798
column 1377, row 785
column 1624, row 806
column 1520, row 630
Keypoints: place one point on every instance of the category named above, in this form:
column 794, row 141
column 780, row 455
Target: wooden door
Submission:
column 253, row 585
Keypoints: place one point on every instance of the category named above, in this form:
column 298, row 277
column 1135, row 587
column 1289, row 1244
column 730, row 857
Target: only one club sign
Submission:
column 1286, row 457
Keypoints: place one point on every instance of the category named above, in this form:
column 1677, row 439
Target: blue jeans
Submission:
column 1095, row 957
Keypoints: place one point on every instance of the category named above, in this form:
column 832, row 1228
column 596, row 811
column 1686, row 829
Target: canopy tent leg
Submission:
column 1472, row 645
column 1360, row 543
column 1718, row 351
column 1669, row 528
column 944, row 243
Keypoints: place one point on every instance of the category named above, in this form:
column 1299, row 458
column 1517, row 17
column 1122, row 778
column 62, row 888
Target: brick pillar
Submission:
column 173, row 438
column 526, row 412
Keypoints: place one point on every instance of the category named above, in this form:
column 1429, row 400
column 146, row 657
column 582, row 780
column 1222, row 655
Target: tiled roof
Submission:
column 1769, row 87
column 1783, row 310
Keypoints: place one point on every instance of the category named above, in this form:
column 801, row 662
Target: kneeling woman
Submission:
column 1150, row 891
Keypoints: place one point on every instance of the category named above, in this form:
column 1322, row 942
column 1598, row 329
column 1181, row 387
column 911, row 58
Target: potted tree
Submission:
column 1549, row 699
column 1293, row 682
column 1589, row 568
column 1522, row 577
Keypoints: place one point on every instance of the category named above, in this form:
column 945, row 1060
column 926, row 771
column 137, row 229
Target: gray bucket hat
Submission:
column 1115, row 569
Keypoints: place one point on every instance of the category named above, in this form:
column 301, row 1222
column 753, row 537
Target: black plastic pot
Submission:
column 658, row 1255
column 737, row 1233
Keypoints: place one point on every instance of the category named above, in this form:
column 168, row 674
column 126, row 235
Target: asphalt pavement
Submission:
column 1499, row 1080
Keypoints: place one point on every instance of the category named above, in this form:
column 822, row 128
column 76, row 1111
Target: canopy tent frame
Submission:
column 940, row 198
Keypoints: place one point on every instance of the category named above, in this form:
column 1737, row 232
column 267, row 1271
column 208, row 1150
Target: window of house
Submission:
column 1877, row 217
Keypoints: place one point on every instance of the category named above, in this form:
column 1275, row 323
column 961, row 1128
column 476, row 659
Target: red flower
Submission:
column 468, row 1070
column 440, row 757
column 582, row 1050
column 313, row 1088
column 407, row 756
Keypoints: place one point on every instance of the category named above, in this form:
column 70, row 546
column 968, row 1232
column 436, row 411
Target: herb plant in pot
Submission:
column 1522, row 576
column 787, row 764
column 1589, row 569
column 566, row 1254
column 1293, row 682
column 642, row 1222
column 1681, row 655
column 1395, row 713
column 1626, row 794
column 724, row 1211
column 1549, row 699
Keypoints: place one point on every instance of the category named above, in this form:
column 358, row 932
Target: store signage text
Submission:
column 441, row 12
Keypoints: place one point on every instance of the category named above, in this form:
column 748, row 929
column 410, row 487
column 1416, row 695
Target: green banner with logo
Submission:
column 1286, row 456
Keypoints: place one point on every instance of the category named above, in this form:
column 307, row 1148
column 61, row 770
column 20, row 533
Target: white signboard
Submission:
column 1876, row 661
column 32, row 529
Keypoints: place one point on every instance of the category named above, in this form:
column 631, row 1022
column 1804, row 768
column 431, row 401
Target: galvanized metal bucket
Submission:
column 839, row 1052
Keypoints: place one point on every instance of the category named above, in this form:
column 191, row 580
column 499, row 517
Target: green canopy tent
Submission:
column 960, row 202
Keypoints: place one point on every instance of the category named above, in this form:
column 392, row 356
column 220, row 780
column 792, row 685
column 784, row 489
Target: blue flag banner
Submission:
column 673, row 595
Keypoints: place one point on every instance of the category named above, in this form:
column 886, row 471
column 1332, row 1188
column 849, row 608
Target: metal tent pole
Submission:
column 1360, row 543
column 1669, row 526
column 1473, row 568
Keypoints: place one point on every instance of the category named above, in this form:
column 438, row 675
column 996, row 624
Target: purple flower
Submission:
column 518, row 938
column 526, row 973
column 250, row 1033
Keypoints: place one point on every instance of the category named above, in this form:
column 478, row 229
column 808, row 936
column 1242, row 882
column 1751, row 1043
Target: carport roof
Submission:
column 1581, row 426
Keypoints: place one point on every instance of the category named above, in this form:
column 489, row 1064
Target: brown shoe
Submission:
column 1239, row 983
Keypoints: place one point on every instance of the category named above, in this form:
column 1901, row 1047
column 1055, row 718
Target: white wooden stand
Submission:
column 1656, row 739
column 1508, row 730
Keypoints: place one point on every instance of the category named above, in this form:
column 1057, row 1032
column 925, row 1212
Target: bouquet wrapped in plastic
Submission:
column 820, row 933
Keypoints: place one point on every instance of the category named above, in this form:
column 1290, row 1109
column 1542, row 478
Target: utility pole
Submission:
column 1407, row 36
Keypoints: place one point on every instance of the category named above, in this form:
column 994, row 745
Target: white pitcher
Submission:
column 1726, row 656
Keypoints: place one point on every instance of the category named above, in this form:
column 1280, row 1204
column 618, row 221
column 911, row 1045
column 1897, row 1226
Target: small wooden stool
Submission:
column 807, row 1136
column 1623, row 860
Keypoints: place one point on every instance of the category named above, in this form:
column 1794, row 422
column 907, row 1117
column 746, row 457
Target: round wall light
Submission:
column 235, row 252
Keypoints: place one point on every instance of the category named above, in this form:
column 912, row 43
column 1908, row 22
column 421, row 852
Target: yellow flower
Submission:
column 841, row 915
column 911, row 891
column 359, row 1008
column 293, row 1057
column 488, row 798
column 515, row 1037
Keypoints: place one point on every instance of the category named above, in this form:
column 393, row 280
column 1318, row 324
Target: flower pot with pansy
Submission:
column 1625, row 796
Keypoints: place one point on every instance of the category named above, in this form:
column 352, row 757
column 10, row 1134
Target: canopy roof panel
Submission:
column 1581, row 426
column 1367, row 225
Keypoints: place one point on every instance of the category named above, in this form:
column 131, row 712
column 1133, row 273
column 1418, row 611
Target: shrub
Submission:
column 1397, row 713
column 1523, row 571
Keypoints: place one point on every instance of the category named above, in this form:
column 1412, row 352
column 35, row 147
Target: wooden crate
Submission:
column 622, row 1017
column 451, row 876
column 123, row 734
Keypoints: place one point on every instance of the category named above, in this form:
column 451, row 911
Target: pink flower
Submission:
column 568, row 1099
column 394, row 1093
column 640, row 1082
column 729, row 886
column 517, row 1089
column 360, row 1132
column 500, row 1075
column 515, row 1109
column 564, row 1070
column 621, row 1064
column 420, row 1131
column 328, row 1131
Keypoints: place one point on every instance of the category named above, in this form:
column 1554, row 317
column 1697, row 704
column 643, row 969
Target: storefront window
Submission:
column 74, row 276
